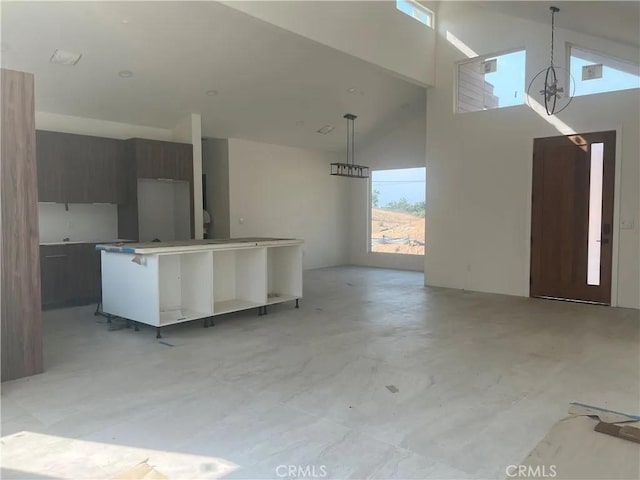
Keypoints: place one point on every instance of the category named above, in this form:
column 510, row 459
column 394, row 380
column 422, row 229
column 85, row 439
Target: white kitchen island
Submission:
column 165, row 283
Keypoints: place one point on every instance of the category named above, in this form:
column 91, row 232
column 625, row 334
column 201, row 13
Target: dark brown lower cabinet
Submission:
column 70, row 275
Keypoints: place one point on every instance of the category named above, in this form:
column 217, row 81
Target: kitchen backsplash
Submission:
column 82, row 222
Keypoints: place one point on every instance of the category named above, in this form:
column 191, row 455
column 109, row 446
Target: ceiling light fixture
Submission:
column 63, row 57
column 350, row 169
column 211, row 93
column 125, row 73
column 326, row 129
column 552, row 88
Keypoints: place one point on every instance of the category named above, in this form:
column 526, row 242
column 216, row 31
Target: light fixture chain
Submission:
column 553, row 27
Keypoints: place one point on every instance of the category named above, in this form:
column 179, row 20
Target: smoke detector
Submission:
column 63, row 57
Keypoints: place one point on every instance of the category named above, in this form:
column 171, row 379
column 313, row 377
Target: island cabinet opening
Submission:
column 284, row 273
column 185, row 286
column 239, row 279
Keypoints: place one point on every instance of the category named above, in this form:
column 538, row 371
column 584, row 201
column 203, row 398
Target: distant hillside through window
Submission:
column 398, row 211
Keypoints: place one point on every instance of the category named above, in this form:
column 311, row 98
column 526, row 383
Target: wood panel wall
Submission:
column 21, row 321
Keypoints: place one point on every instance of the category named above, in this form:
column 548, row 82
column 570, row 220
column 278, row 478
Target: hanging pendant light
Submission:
column 350, row 169
column 549, row 82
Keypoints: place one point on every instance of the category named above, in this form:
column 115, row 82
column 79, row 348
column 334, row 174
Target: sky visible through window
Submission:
column 612, row 79
column 392, row 185
column 415, row 10
column 508, row 79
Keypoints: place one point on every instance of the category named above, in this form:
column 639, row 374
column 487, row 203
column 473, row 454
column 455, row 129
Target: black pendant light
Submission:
column 350, row 169
column 549, row 82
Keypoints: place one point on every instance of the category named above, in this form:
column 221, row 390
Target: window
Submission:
column 397, row 211
column 415, row 10
column 491, row 82
column 596, row 73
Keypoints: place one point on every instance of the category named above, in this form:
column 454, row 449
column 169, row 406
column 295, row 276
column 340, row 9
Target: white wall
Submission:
column 479, row 164
column 287, row 192
column 373, row 31
column 82, row 222
column 400, row 145
column 215, row 165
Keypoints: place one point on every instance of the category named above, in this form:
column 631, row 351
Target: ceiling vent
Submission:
column 326, row 129
column 62, row 57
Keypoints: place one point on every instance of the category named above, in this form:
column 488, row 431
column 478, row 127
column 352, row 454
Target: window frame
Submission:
column 571, row 45
column 419, row 6
column 480, row 58
column 369, row 221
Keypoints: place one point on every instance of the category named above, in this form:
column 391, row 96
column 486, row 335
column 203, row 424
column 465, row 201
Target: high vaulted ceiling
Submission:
column 272, row 85
column 617, row 21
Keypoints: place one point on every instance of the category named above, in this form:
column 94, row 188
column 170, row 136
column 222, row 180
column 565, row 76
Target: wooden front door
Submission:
column 572, row 217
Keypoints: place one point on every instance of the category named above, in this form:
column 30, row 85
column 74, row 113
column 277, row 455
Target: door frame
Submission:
column 615, row 233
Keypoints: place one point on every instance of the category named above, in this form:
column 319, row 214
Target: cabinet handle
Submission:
column 61, row 255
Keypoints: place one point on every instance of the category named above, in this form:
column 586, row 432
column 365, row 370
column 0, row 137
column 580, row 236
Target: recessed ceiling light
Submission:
column 125, row 73
column 326, row 129
column 352, row 90
column 63, row 57
column 125, row 21
column 212, row 93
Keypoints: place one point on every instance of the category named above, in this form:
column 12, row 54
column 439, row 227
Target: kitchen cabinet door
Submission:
column 163, row 160
column 84, row 271
column 70, row 274
column 104, row 160
column 76, row 178
column 55, row 278
column 183, row 155
column 150, row 157
column 50, row 155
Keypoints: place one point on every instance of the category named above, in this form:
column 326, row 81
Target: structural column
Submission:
column 189, row 130
column 20, row 311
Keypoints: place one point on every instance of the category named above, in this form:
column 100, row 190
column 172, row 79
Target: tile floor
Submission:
column 480, row 379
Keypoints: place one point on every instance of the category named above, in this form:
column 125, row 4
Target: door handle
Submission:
column 62, row 255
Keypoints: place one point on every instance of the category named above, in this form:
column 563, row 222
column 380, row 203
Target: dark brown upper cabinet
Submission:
column 79, row 168
column 50, row 160
column 157, row 159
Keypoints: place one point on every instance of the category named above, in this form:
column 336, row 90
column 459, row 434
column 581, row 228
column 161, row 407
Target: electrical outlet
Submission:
column 627, row 224
column 241, row 221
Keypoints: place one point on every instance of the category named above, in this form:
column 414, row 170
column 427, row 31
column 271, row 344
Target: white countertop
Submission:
column 151, row 248
column 75, row 242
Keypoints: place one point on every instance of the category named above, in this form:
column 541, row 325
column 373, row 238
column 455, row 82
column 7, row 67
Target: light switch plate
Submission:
column 627, row 224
